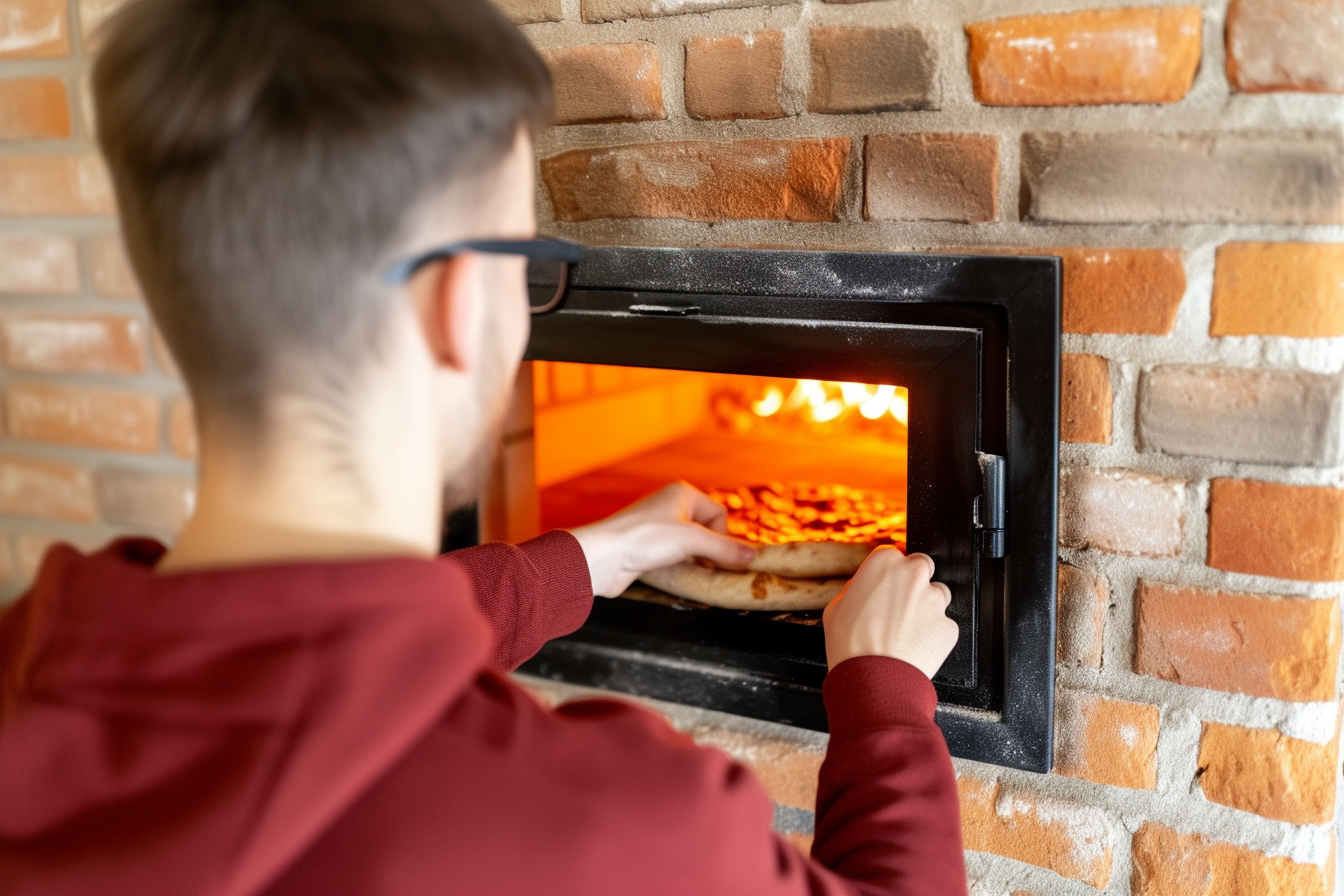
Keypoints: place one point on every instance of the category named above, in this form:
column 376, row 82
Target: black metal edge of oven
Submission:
column 673, row 655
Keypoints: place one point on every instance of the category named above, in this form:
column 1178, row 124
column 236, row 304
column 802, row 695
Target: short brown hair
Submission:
column 266, row 154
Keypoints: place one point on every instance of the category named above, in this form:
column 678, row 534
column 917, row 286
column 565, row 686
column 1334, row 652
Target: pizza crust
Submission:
column 810, row 559
column 744, row 590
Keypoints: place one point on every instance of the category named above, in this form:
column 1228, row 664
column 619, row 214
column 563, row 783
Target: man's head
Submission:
column 272, row 157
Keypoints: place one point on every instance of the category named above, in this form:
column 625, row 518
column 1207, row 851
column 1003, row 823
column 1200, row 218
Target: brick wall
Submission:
column 1187, row 161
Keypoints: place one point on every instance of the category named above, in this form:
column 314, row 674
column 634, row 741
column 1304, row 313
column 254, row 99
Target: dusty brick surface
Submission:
column 1286, row 45
column 1271, row 177
column 1256, row 416
column 33, row 109
column 1106, row 741
column 1139, row 55
column 49, row 490
column 40, row 265
column 1082, row 599
column 1121, row 290
column 1167, row 863
column 735, row 77
column 67, row 343
column 34, row 29
column 182, row 429
column 786, row 771
column 787, row 180
column 931, row 177
column 871, row 70
column 1072, row 840
column 1285, row 648
column 1267, row 773
column 159, row 505
column 528, row 12
column 1122, row 512
column 112, row 274
column 1279, row 289
column 615, row 10
column 111, row 419
column 1268, row 529
column 54, row 185
column 606, row 82
column 1085, row 399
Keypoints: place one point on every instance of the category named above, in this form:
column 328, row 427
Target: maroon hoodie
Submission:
column 330, row 728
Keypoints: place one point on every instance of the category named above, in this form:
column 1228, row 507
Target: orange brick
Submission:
column 1167, row 863
column 1285, row 531
column 1071, row 840
column 1121, row 290
column 34, row 29
column 163, row 356
column 1285, row 45
column 787, row 770
column 871, row 70
column 607, row 82
column 44, row 489
column 55, row 185
column 40, row 265
column 735, row 77
column 33, row 109
column 786, row 180
column 182, row 429
column 65, row 343
column 1106, row 741
column 1279, row 289
column 931, row 177
column 85, row 417
column 1267, row 773
column 112, row 274
column 1139, row 55
column 1082, row 600
column 1085, row 399
column 1286, row 648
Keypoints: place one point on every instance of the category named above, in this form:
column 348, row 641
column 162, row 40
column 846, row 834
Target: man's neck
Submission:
column 293, row 500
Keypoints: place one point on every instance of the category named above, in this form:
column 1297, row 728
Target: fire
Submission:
column 822, row 401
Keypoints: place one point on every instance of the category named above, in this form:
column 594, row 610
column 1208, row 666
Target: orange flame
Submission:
column 823, row 401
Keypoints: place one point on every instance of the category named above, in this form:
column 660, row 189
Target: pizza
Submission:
column 809, row 538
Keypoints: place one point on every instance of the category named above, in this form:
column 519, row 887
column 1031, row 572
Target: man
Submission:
column 299, row 697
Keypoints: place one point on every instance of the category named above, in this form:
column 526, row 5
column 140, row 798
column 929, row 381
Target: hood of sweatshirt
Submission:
column 193, row 733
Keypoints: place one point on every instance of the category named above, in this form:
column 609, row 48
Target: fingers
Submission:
column 721, row 550
column 945, row 591
column 924, row 559
column 702, row 509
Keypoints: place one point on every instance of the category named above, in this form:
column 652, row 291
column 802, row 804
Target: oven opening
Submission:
column 830, row 401
column 792, row 460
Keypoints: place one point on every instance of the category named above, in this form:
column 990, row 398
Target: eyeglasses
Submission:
column 549, row 262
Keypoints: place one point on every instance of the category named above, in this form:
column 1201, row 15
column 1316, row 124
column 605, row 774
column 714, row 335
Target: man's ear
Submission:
column 445, row 302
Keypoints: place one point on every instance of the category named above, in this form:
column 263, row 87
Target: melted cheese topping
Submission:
column 779, row 513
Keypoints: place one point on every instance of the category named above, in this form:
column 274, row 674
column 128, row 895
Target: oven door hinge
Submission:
column 989, row 507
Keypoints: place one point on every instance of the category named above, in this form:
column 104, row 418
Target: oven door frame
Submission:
column 960, row 331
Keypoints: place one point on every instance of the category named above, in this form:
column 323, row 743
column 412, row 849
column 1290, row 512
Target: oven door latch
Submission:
column 989, row 506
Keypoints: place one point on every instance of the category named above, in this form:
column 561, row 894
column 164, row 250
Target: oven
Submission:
column 931, row 381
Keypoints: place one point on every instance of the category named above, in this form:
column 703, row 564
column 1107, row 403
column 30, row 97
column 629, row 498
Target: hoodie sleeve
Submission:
column 888, row 817
column 531, row 592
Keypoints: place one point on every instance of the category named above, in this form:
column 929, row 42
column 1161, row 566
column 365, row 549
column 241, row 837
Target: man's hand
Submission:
column 669, row 526
column 891, row 608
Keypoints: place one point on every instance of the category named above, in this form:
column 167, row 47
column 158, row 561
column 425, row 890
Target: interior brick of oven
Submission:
column 1204, row 343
